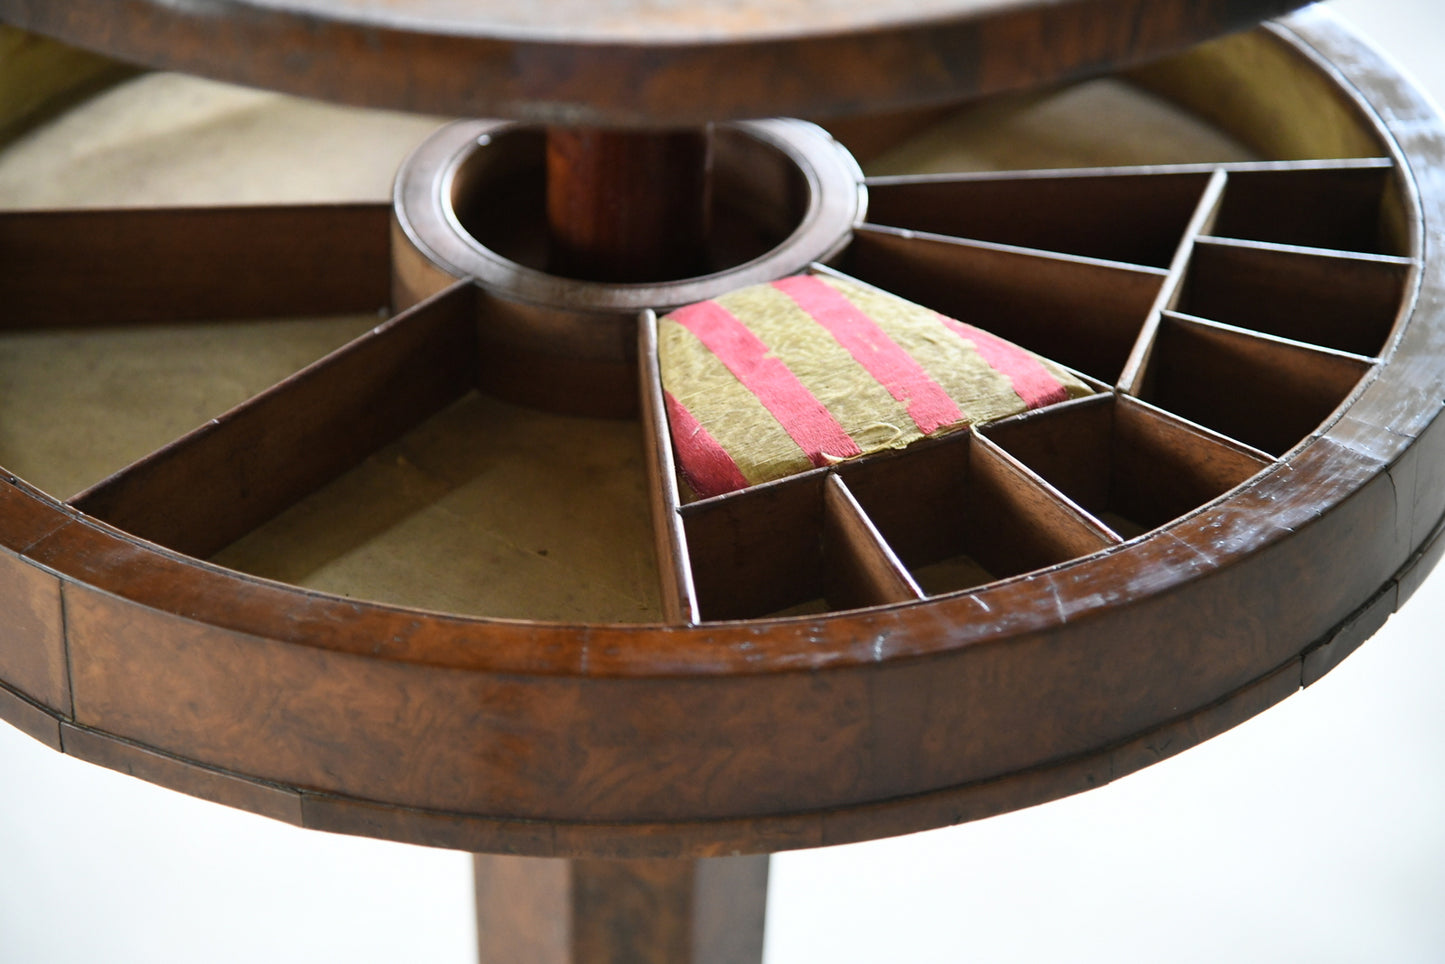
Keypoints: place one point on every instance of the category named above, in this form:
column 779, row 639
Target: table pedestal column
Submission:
column 557, row 911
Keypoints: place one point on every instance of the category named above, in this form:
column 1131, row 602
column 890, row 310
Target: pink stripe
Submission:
column 928, row 404
column 802, row 416
column 706, row 465
column 1031, row 380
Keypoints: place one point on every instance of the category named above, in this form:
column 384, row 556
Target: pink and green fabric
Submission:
column 775, row 379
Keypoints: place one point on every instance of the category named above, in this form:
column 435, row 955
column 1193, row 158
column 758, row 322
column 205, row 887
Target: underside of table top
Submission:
column 639, row 62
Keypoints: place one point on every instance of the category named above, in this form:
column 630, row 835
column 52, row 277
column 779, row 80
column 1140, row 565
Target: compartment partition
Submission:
column 1336, row 300
column 1116, row 215
column 865, row 570
column 1267, row 392
column 1202, row 404
column 1082, row 313
column 224, row 479
column 1131, row 466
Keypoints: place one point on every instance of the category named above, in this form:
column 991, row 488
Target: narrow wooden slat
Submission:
column 1136, row 369
column 916, row 498
column 101, row 749
column 1266, row 392
column 863, row 569
column 1364, row 623
column 1127, row 464
column 1164, row 467
column 1067, row 445
column 1080, row 312
column 679, row 598
column 1058, row 527
column 130, row 266
column 30, row 718
column 1021, row 525
column 1135, row 216
column 212, row 486
column 957, row 516
column 1331, row 299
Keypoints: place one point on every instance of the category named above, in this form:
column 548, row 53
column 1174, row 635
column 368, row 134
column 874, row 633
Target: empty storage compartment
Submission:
column 1267, row 392
column 1339, row 301
column 1130, row 466
column 1129, row 217
column 791, row 547
column 759, row 550
column 1329, row 204
column 959, row 514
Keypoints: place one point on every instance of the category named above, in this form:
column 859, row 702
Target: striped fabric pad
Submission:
column 774, row 379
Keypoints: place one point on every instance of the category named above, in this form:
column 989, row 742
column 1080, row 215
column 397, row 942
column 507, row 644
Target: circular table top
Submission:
column 639, row 62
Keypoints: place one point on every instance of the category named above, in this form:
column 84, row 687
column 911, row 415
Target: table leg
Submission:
column 557, row 911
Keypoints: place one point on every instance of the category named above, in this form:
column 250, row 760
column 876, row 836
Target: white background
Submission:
column 1315, row 832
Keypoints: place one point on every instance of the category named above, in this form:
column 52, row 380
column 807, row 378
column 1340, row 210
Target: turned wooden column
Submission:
column 628, row 206
column 622, row 207
column 554, row 911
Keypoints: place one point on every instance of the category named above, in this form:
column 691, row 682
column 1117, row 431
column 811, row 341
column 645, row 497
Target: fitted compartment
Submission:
column 1131, row 466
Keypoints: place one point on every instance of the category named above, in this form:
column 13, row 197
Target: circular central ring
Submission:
column 782, row 181
column 469, row 205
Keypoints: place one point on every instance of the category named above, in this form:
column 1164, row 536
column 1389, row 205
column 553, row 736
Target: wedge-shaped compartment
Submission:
column 1082, row 313
column 794, row 546
column 1128, row 215
column 1267, row 392
column 1335, row 300
column 959, row 513
column 1325, row 204
column 216, row 483
column 1130, row 466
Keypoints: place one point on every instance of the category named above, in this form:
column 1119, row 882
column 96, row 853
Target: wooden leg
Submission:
column 553, row 911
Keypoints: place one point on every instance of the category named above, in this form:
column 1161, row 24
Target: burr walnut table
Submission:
column 975, row 624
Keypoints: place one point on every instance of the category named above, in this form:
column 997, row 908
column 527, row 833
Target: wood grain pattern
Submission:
column 1326, row 204
column 32, row 632
column 769, row 733
column 621, row 911
column 131, row 266
column 463, row 63
column 628, row 206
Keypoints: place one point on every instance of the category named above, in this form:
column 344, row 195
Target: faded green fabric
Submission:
column 761, row 447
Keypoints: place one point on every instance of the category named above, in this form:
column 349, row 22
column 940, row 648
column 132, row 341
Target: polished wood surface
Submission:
column 640, row 64
column 752, row 731
column 628, row 206
column 223, row 262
